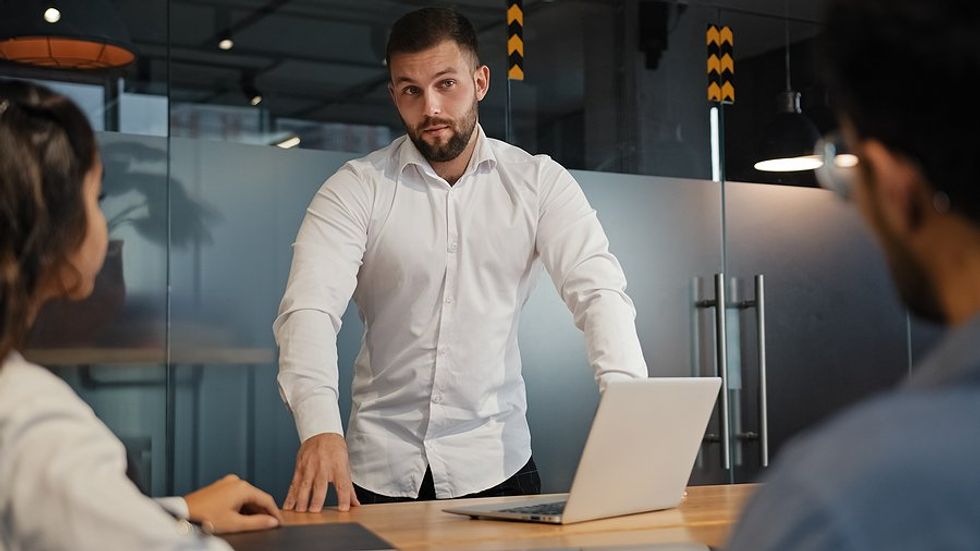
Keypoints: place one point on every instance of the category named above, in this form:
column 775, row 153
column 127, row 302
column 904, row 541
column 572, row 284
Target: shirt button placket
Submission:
column 449, row 292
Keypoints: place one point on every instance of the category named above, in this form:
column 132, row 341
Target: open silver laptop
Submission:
column 638, row 457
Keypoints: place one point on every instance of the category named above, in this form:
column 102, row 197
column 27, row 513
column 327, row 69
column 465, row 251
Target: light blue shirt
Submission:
column 901, row 471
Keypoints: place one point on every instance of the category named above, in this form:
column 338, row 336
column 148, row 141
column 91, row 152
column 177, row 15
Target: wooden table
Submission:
column 706, row 516
column 112, row 356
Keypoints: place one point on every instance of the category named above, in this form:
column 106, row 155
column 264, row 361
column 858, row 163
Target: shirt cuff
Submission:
column 615, row 376
column 317, row 415
column 176, row 506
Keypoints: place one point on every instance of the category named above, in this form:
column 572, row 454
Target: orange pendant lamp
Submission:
column 65, row 34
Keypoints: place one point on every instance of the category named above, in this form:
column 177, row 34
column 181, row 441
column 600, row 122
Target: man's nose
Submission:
column 433, row 107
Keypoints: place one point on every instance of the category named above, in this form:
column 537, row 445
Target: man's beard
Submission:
column 914, row 286
column 442, row 152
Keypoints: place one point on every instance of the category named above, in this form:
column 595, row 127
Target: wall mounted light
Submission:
column 71, row 34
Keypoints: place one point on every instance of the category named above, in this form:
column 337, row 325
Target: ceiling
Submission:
column 322, row 60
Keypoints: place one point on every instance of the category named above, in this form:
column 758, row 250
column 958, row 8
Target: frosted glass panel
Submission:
column 111, row 346
column 235, row 210
column 666, row 233
column 835, row 329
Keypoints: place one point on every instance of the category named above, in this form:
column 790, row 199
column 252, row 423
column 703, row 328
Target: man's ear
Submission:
column 903, row 195
column 481, row 78
column 391, row 92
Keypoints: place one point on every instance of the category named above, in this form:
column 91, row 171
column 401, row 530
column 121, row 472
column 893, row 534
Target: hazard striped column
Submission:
column 721, row 64
column 515, row 40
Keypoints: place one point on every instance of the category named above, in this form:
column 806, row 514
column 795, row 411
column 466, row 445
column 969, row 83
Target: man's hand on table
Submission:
column 321, row 460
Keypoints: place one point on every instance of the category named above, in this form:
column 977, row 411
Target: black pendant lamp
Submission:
column 791, row 136
column 67, row 34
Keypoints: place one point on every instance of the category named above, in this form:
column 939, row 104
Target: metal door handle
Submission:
column 721, row 364
column 759, row 303
column 760, row 318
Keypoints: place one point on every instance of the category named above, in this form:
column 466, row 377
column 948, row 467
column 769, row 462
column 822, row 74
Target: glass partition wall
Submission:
column 235, row 111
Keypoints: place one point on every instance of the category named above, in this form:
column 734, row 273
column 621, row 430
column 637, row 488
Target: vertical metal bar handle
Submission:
column 760, row 317
column 722, row 366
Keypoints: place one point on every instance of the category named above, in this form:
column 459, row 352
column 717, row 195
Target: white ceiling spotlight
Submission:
column 289, row 142
column 52, row 15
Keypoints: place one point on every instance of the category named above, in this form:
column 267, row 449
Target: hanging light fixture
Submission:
column 222, row 21
column 790, row 137
column 67, row 34
column 250, row 91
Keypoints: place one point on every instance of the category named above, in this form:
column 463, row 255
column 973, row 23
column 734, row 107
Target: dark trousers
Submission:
column 525, row 482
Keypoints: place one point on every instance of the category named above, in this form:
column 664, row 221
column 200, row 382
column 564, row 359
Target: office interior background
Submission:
column 232, row 113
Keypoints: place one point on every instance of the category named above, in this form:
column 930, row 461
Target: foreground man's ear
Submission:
column 898, row 186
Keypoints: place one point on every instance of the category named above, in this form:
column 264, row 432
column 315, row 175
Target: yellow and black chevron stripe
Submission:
column 721, row 64
column 515, row 39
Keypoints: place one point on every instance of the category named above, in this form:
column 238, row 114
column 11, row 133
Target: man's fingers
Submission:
column 319, row 494
column 303, row 495
column 345, row 491
column 290, row 502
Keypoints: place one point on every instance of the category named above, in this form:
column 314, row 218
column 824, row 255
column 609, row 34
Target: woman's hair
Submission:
column 46, row 148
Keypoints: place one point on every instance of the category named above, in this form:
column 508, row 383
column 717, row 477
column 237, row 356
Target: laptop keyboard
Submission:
column 555, row 508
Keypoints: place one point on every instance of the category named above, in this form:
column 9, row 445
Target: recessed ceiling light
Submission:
column 52, row 15
column 289, row 142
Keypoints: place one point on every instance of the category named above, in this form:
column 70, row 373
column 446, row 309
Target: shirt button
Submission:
column 449, row 300
column 436, row 398
column 453, row 246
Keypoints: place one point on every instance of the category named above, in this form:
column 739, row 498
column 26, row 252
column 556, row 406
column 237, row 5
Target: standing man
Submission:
column 899, row 471
column 438, row 238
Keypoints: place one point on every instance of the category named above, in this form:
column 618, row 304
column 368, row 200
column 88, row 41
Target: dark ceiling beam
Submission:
column 190, row 54
column 357, row 14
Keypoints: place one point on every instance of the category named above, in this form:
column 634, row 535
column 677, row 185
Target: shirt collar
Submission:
column 955, row 360
column 408, row 154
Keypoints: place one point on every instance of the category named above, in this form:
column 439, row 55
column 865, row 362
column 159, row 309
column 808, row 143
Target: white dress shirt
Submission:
column 440, row 275
column 63, row 478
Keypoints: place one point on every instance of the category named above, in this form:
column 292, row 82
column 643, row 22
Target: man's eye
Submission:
column 411, row 91
column 448, row 83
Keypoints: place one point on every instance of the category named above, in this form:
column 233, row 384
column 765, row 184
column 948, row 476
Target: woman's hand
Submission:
column 232, row 505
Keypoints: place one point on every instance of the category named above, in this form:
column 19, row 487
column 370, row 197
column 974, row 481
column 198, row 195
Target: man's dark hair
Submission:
column 422, row 29
column 904, row 72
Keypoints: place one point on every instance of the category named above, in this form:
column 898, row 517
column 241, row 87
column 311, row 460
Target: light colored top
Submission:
column 896, row 472
column 440, row 275
column 63, row 478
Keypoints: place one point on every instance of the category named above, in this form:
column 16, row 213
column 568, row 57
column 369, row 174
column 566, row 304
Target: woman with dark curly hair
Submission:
column 62, row 472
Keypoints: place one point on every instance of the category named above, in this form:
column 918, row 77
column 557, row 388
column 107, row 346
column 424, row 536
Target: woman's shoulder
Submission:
column 34, row 399
column 23, row 383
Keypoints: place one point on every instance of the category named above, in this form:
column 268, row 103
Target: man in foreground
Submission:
column 899, row 471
